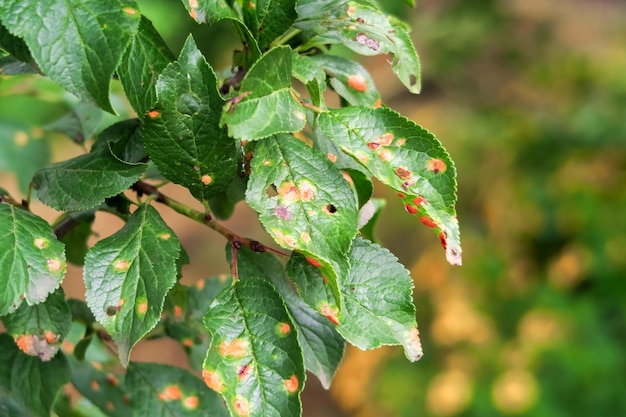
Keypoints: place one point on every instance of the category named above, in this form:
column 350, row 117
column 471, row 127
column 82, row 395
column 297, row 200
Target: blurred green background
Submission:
column 529, row 98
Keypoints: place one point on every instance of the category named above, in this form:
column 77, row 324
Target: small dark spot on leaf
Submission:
column 360, row 20
column 331, row 209
column 111, row 310
column 236, row 244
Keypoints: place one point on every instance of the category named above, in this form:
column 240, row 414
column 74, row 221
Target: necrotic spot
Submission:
column 365, row 40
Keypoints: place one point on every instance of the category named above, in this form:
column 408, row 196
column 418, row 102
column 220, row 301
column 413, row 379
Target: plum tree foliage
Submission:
column 259, row 132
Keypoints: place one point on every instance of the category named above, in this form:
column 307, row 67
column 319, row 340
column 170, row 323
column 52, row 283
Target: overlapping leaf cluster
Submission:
column 250, row 134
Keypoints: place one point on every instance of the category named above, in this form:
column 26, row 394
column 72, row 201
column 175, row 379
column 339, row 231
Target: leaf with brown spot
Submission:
column 407, row 158
column 253, row 380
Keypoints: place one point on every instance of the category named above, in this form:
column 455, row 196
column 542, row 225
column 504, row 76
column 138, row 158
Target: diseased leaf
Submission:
column 268, row 19
column 322, row 347
column 254, row 360
column 265, row 105
column 162, row 390
column 349, row 79
column 128, row 275
column 304, row 203
column 142, row 63
column 102, row 389
column 405, row 157
column 32, row 260
column 32, row 385
column 377, row 296
column 86, row 38
column 39, row 330
column 362, row 27
column 182, row 133
column 85, row 181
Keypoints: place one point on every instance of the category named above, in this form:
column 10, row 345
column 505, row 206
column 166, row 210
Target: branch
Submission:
column 143, row 188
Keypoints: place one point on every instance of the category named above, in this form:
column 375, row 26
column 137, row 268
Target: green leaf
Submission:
column 86, row 38
column 128, row 275
column 40, row 329
column 85, row 181
column 268, row 19
column 182, row 133
column 80, row 124
column 304, row 203
column 322, row 347
column 361, row 184
column 349, row 79
column 103, row 389
column 74, row 229
column 124, row 140
column 14, row 45
column 362, row 27
column 255, row 361
column 265, row 105
column 377, row 296
column 32, row 384
column 12, row 66
column 32, row 260
column 23, row 151
column 410, row 2
column 142, row 63
column 306, row 70
column 407, row 158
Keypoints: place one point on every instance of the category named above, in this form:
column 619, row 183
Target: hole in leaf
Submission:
column 271, row 191
column 412, row 80
column 330, row 209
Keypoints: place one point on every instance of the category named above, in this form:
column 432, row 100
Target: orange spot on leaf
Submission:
column 332, row 157
column 95, row 386
column 212, row 380
column 284, row 328
column 386, row 139
column 331, row 314
column 206, row 179
column 191, row 402
column 410, row 209
column 41, row 243
column 292, row 384
column 236, row 349
column 378, row 103
column 142, row 307
column 171, row 393
column 418, row 201
column 187, row 342
column 436, row 166
column 112, row 380
column 357, row 82
column 403, row 173
column 428, row 222
column 194, row 14
column 153, row 114
column 54, row 265
column 313, row 261
column 178, row 311
column 386, row 155
column 129, row 11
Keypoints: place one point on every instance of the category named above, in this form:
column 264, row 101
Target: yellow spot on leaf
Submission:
column 386, row 139
column 241, row 406
column 142, row 307
column 41, row 243
column 300, row 115
column 129, row 11
column 288, row 192
column 54, row 265
column 305, row 236
column 386, row 155
column 515, row 391
column 165, row 236
column 121, row 265
column 307, row 190
column 36, row 132
column 193, row 4
column 20, row 138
